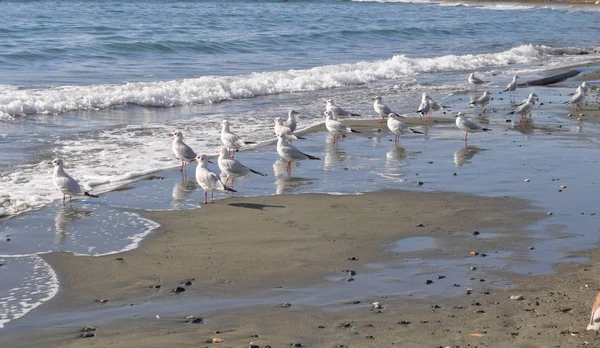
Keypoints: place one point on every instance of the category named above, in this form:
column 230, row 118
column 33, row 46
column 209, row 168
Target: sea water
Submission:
column 102, row 84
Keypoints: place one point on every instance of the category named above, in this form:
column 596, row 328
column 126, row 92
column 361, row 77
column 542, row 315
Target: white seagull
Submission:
column 594, row 323
column 482, row 101
column 524, row 109
column 434, row 104
column 475, row 81
column 336, row 127
column 398, row 127
column 181, row 150
column 233, row 168
column 468, row 126
column 425, row 106
column 512, row 88
column 577, row 98
column 231, row 141
column 65, row 183
column 208, row 180
column 381, row 109
column 279, row 128
column 291, row 122
column 336, row 110
column 290, row 153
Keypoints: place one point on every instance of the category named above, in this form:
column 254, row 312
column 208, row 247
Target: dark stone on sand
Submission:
column 321, row 327
column 435, row 306
column 483, row 255
column 254, row 346
column 285, row 305
column 197, row 321
column 350, row 279
column 296, row 344
column 88, row 335
column 101, row 301
column 154, row 286
column 420, row 183
column 440, row 277
column 8, row 239
column 353, row 258
column 404, row 322
column 119, row 259
column 188, row 283
column 454, row 174
column 178, row 289
column 476, row 233
column 429, row 281
column 420, row 225
column 89, row 329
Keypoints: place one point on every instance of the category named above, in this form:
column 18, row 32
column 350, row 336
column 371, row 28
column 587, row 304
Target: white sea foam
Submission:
column 38, row 284
column 212, row 89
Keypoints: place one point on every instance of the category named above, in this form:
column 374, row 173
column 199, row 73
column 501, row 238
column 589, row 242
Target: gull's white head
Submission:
column 395, row 115
column 293, row 112
column 177, row 135
column 328, row 115
column 472, row 75
column 224, row 152
column 330, row 102
column 57, row 162
column 278, row 121
column 377, row 98
column 225, row 124
column 460, row 114
column 201, row 159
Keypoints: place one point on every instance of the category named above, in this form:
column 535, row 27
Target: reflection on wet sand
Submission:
column 285, row 183
column 64, row 218
column 333, row 156
column 465, row 154
column 181, row 190
column 523, row 127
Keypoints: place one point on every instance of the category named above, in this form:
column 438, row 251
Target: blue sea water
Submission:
column 101, row 84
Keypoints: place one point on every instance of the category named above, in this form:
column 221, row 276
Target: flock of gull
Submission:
column 231, row 168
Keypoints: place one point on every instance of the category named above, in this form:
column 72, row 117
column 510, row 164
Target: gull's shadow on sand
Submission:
column 255, row 206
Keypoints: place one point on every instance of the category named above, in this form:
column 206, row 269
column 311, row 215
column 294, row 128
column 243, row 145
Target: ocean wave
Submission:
column 214, row 89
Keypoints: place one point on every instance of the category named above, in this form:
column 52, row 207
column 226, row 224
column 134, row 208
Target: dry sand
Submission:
column 240, row 247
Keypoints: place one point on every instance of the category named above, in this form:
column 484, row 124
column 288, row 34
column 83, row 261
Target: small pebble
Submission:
column 376, row 305
column 476, row 233
column 527, row 180
column 549, row 213
column 473, row 268
column 563, row 186
column 178, row 289
column 517, row 297
column 420, row 183
column 285, row 305
column 440, row 277
column 88, row 335
column 429, row 281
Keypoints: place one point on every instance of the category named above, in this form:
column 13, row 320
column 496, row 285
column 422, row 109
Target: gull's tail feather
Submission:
column 354, row 131
column 249, row 142
column 311, row 157
column 351, row 114
column 486, row 129
column 415, row 131
column 257, row 172
column 299, row 137
column 90, row 195
column 229, row 189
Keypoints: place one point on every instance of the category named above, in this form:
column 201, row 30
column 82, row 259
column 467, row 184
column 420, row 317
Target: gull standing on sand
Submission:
column 525, row 108
column 208, row 180
column 398, row 127
column 336, row 110
column 291, row 153
column 181, row 150
column 468, row 126
column 233, row 168
column 594, row 323
column 381, row 109
column 65, row 183
column 475, row 81
column 482, row 101
column 434, row 104
column 512, row 88
column 336, row 127
column 291, row 122
column 279, row 128
column 577, row 98
column 230, row 140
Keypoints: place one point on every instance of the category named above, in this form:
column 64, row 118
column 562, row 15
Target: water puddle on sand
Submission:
column 414, row 244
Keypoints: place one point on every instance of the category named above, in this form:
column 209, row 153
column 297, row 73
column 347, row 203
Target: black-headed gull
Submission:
column 398, row 127
column 475, row 81
column 336, row 110
column 594, row 323
column 483, row 100
column 577, row 98
column 279, row 128
column 65, row 183
column 336, row 127
column 468, row 126
column 512, row 88
column 181, row 150
column 208, row 180
column 233, row 168
column 524, row 109
column 230, row 140
column 381, row 109
column 290, row 153
column 291, row 122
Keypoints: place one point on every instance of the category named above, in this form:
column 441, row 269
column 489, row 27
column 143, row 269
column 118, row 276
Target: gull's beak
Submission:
column 193, row 160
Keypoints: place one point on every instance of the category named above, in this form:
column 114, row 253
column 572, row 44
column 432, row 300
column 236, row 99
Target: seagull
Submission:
column 433, row 104
column 336, row 110
column 425, row 106
column 181, row 150
column 233, row 168
column 290, row 153
column 524, row 109
column 336, row 127
column 512, row 88
column 398, row 127
column 577, row 98
column 381, row 109
column 585, row 87
column 482, row 101
column 475, row 81
column 291, row 120
column 208, row 180
column 279, row 128
column 468, row 126
column 65, row 183
column 595, row 317
column 231, row 141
